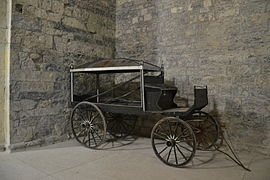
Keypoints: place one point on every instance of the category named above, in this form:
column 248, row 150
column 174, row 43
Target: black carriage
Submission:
column 175, row 138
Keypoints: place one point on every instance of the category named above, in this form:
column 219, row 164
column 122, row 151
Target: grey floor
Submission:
column 124, row 160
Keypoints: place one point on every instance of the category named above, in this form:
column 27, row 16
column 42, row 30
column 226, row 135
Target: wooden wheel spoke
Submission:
column 160, row 127
column 203, row 142
column 94, row 117
column 82, row 115
column 181, row 152
column 164, row 138
column 125, row 122
column 181, row 136
column 183, row 147
column 176, row 128
column 210, row 138
column 175, row 155
column 94, row 138
column 160, row 143
column 163, row 134
column 127, row 127
column 97, row 134
column 80, row 132
column 206, row 137
column 210, row 130
column 168, row 157
column 163, row 150
column 89, row 114
column 113, row 126
column 212, row 124
column 89, row 139
column 186, row 140
column 84, row 137
column 76, row 127
column 96, row 123
column 123, row 125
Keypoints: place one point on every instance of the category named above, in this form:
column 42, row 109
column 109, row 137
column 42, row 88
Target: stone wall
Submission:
column 222, row 44
column 48, row 36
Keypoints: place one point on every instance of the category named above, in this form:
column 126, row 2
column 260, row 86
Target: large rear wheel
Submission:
column 88, row 124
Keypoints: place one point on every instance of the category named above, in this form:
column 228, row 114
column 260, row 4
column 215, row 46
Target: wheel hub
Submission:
column 171, row 142
column 86, row 125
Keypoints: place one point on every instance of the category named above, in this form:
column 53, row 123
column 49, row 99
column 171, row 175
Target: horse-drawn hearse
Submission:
column 175, row 138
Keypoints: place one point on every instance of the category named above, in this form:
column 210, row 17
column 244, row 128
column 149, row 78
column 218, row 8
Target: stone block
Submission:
column 229, row 12
column 48, row 76
column 147, row 17
column 135, row 20
column 36, row 87
column 144, row 11
column 207, row 3
column 46, row 4
column 60, row 43
column 51, row 16
column 58, row 7
column 68, row 10
column 73, row 22
column 27, row 23
column 28, row 104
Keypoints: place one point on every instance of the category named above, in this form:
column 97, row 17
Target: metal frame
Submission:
column 142, row 90
column 71, row 87
column 97, row 87
column 140, row 68
column 107, row 69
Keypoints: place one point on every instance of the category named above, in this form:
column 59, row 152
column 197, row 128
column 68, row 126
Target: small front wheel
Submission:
column 173, row 141
column 88, row 124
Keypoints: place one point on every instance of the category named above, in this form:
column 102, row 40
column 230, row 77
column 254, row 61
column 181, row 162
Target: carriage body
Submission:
column 155, row 97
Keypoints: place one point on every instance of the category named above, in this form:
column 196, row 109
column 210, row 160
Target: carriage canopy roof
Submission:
column 116, row 66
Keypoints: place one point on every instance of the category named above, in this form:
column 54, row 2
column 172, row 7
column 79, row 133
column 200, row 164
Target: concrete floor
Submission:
column 125, row 160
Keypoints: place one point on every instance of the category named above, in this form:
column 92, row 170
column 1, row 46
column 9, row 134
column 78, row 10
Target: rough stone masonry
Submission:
column 48, row 36
column 224, row 44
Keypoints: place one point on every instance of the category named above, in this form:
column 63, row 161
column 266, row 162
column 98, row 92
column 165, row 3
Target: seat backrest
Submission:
column 200, row 97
